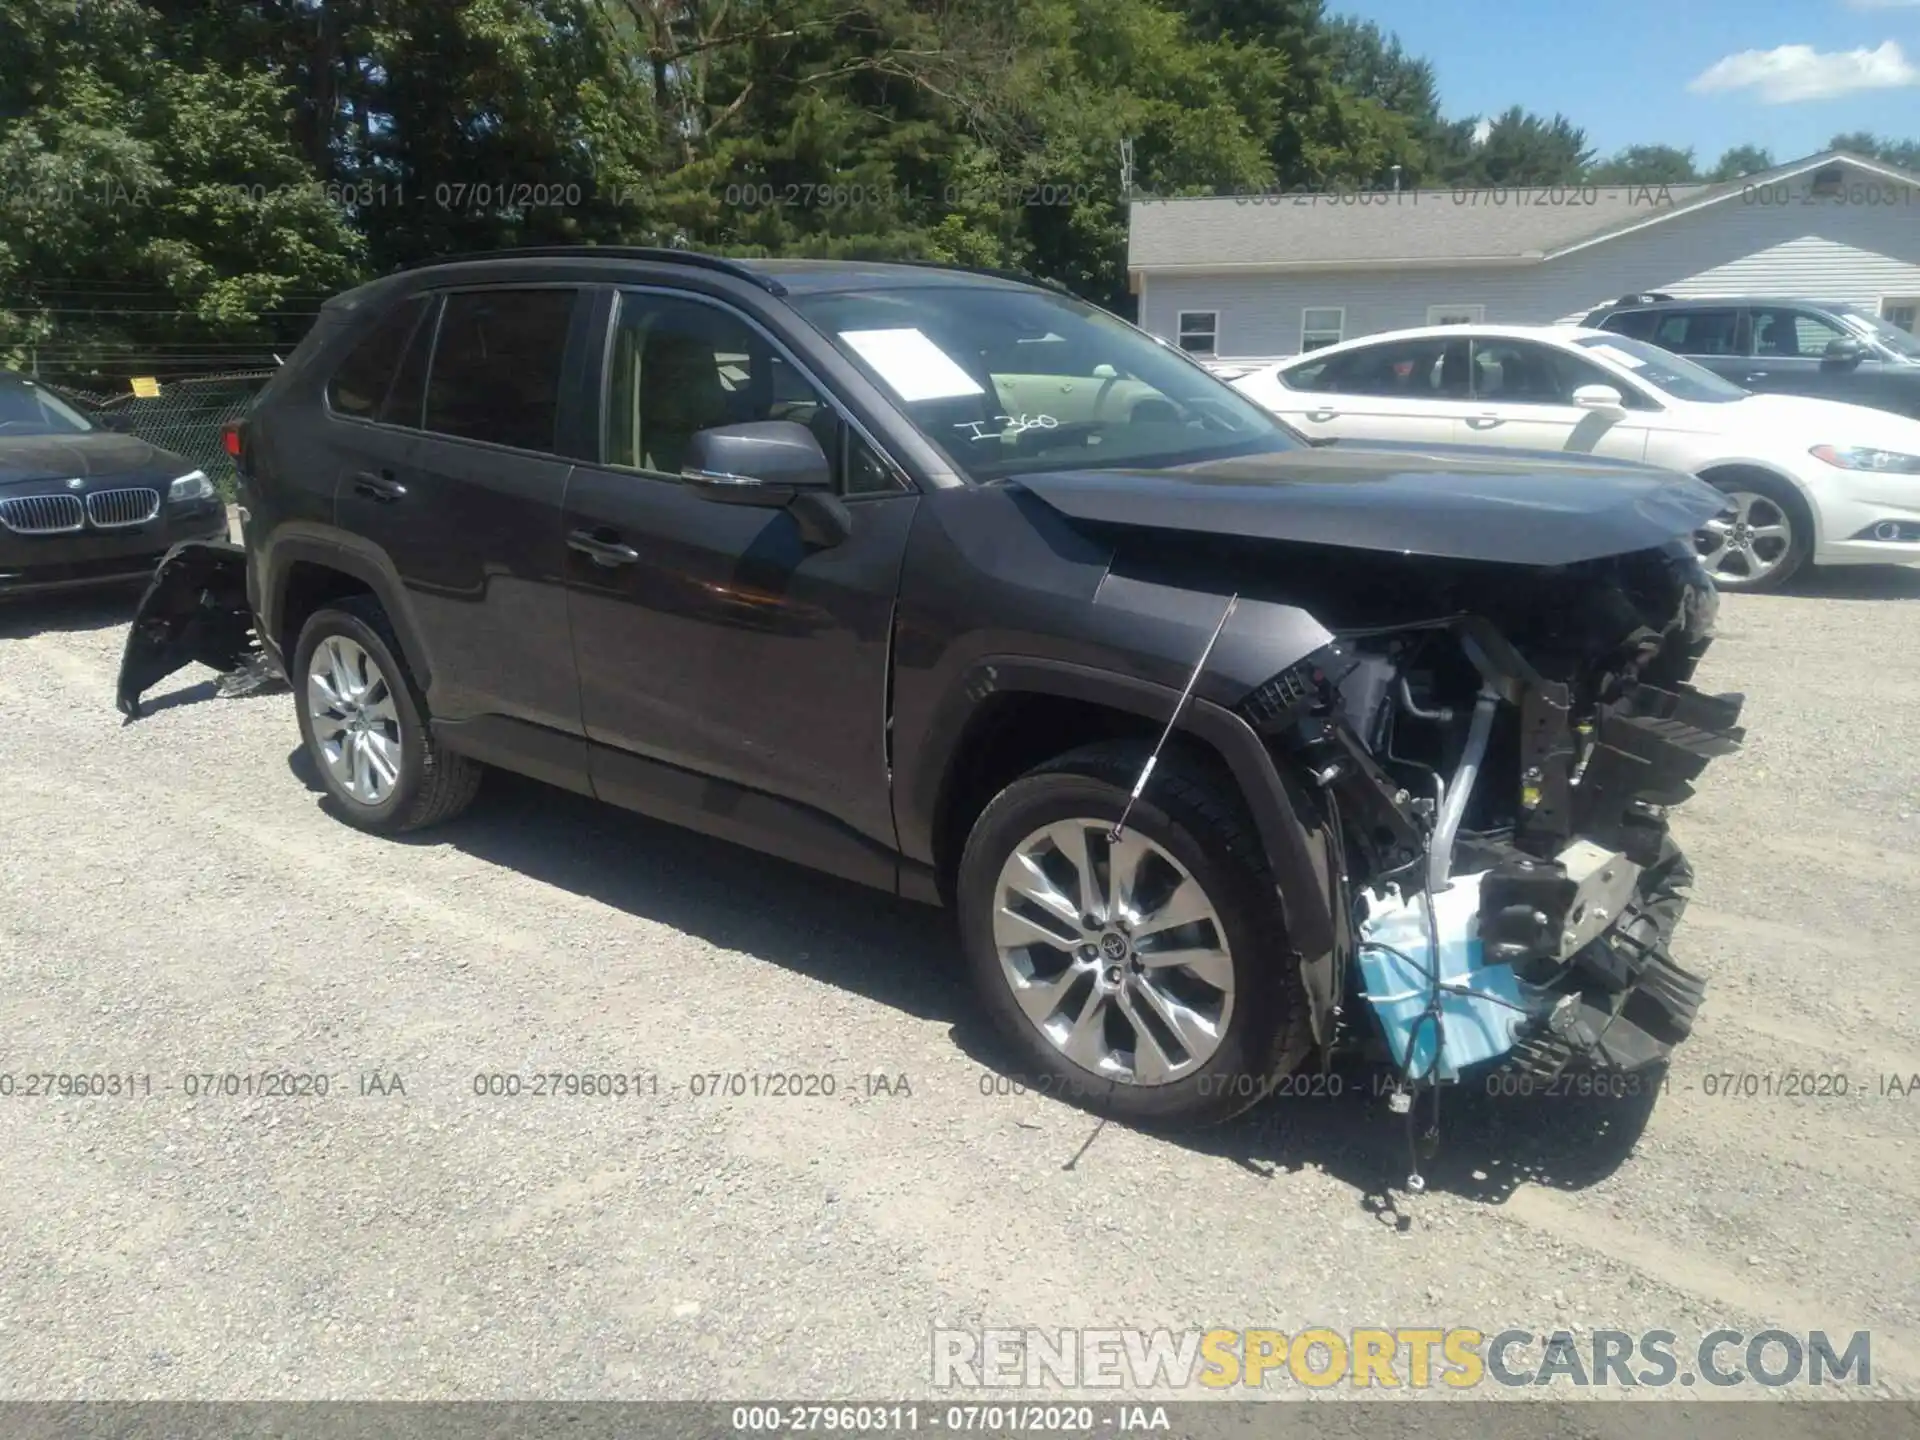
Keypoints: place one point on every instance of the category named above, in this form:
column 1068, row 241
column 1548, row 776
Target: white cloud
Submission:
column 1481, row 131
column 1799, row 72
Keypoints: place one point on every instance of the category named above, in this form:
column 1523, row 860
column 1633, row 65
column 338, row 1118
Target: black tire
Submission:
column 1793, row 510
column 1198, row 820
column 435, row 784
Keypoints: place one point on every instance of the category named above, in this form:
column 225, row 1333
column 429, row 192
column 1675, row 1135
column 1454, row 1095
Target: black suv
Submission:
column 82, row 505
column 956, row 587
column 1833, row 351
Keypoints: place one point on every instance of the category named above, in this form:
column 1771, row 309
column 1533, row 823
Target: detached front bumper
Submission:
column 195, row 609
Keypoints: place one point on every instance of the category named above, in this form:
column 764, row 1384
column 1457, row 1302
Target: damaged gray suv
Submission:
column 1227, row 751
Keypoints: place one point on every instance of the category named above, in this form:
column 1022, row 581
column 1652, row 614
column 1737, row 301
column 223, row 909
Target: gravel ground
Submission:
column 174, row 900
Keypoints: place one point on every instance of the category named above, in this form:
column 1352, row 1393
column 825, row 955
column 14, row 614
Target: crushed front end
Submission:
column 1498, row 767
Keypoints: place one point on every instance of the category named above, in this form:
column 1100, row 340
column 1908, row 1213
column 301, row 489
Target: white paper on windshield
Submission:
column 1618, row 357
column 913, row 365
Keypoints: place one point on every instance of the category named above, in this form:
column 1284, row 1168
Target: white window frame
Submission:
column 1181, row 328
column 1337, row 332
column 1476, row 314
column 1886, row 300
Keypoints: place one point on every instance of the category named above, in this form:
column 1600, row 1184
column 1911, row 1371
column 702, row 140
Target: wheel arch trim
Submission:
column 280, row 556
column 1282, row 831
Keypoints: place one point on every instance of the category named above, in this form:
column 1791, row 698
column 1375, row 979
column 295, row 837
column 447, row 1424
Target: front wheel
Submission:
column 1762, row 539
column 1145, row 977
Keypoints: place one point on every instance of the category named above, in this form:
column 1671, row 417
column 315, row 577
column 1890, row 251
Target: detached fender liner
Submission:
column 195, row 609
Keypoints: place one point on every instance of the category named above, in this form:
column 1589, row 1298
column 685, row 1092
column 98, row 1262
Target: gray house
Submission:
column 1265, row 276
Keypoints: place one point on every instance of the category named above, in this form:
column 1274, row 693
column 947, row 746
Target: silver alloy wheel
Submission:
column 1746, row 546
column 1114, row 952
column 354, row 719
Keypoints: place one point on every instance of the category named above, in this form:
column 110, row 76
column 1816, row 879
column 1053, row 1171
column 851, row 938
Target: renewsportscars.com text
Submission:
column 1404, row 1357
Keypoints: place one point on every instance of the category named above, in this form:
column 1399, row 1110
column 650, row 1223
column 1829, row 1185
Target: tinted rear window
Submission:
column 361, row 381
column 409, row 389
column 1637, row 323
column 496, row 366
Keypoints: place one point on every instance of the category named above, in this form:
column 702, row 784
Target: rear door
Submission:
column 733, row 675
column 1720, row 337
column 1414, row 390
column 1523, row 397
column 470, row 514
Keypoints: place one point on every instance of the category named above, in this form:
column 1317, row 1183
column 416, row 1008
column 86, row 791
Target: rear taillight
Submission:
column 231, row 439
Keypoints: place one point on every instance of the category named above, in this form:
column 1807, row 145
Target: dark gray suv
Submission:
column 1211, row 739
column 1831, row 350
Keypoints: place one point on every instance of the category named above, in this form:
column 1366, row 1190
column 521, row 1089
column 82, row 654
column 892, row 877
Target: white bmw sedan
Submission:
column 1811, row 481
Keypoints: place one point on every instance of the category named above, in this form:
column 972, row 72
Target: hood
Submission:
column 99, row 454
column 1519, row 508
column 1803, row 421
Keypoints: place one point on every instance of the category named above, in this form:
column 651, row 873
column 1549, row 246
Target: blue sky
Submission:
column 1783, row 74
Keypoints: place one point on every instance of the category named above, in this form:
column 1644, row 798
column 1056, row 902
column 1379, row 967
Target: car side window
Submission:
column 1793, row 334
column 1430, row 368
column 1517, row 372
column 407, row 396
column 678, row 366
column 1699, row 332
column 1635, row 324
column 361, row 381
column 495, row 374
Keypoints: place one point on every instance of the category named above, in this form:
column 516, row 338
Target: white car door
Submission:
column 1523, row 397
column 1412, row 390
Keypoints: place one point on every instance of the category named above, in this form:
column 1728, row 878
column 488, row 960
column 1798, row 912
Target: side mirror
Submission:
column 763, row 462
column 1601, row 400
column 773, row 464
column 1844, row 351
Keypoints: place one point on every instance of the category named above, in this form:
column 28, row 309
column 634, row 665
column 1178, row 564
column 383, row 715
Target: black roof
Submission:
column 777, row 276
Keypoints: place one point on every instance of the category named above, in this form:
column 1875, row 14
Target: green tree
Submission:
column 1645, row 165
column 1903, row 153
column 1519, row 148
column 150, row 211
column 1740, row 161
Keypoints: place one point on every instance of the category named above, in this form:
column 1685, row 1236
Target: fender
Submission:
column 1301, row 881
column 348, row 554
column 1792, row 482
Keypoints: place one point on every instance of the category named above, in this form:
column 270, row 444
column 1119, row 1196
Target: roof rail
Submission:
column 1650, row 297
column 696, row 258
column 1018, row 276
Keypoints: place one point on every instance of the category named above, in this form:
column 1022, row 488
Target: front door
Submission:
column 1789, row 350
column 733, row 675
column 1523, row 397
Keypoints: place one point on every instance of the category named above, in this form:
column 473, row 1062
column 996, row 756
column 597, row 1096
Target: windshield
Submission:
column 1008, row 381
column 1662, row 369
column 26, row 409
column 1872, row 327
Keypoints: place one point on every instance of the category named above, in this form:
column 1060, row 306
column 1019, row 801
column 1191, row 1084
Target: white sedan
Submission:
column 1811, row 481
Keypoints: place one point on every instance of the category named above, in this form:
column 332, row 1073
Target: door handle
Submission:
column 382, row 487
column 602, row 551
column 1320, row 417
column 1756, row 375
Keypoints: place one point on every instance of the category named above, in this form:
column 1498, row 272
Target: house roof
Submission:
column 1517, row 225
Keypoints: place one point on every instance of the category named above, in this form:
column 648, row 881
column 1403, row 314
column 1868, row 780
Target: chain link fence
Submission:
column 187, row 417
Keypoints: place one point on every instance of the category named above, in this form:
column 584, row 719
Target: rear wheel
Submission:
column 365, row 725
column 1145, row 977
column 1761, row 541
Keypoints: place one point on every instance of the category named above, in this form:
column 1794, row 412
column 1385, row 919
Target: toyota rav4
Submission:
column 1227, row 751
